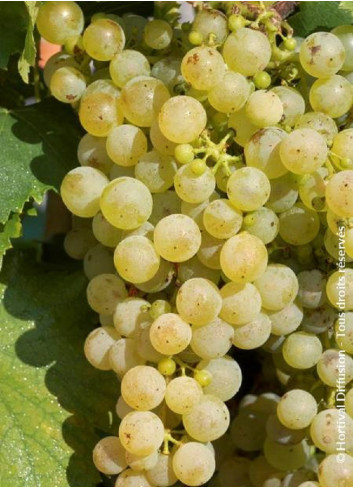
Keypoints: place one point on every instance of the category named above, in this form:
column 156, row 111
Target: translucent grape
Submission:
column 193, row 464
column 164, row 204
column 77, row 242
column 264, row 108
column 81, row 189
column 128, row 64
column 299, row 225
column 319, row 320
column 286, row 457
column 104, row 232
column 156, row 171
column 162, row 474
column 286, row 320
column 203, row 67
column 104, row 292
column 160, row 142
column 253, row 334
column 67, row 84
column 141, row 100
column 194, row 268
column 103, row 39
column 241, row 303
column 226, row 377
column 207, row 420
column 182, row 394
column 233, row 472
column 279, row 433
column 141, row 432
column 211, row 22
column 157, row 34
column 126, row 203
column 278, row 287
column 320, row 122
column 141, row 463
column 132, row 478
column 98, row 344
column 339, row 289
column 322, row 54
column 336, row 474
column 262, row 152
column 332, row 96
column 194, row 188
column 160, row 280
column 109, row 456
column 335, row 368
column 248, row 188
column 248, row 431
column 168, row 71
column 345, row 35
column 302, row 350
column 312, row 189
column 283, row 194
column 57, row 60
column 136, row 259
column 326, row 428
column 130, row 315
column 259, row 471
column 221, row 219
column 296, row 409
column 58, row 21
column 247, row 51
column 242, row 125
column 262, row 223
column 212, row 340
column 182, row 119
column 339, row 193
column 344, row 332
column 210, row 250
column 243, row 258
column 293, row 104
column 126, row 144
column 144, row 345
column 98, row 260
column 143, row 387
column 177, row 238
column 230, row 94
column 198, row 301
column 91, row 152
column 99, row 112
column 121, row 171
column 170, row 334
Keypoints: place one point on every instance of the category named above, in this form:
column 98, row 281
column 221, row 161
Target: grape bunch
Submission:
column 214, row 183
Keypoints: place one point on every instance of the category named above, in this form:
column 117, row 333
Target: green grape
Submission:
column 131, row 314
column 210, row 251
column 133, row 27
column 332, row 96
column 143, row 388
column 207, row 420
column 196, row 210
column 141, row 463
column 184, row 153
column 141, row 100
column 203, row 67
column 159, row 307
column 77, row 242
column 332, row 473
column 91, row 152
column 193, row 464
column 339, row 193
column 302, row 350
column 126, row 144
column 103, row 39
column 67, row 84
column 198, row 301
column 326, row 427
column 132, row 478
column 168, row 71
column 320, row 122
column 211, row 23
column 230, row 93
column 203, row 377
column 223, row 375
column 122, row 409
column 260, row 471
column 345, row 35
column 212, row 340
column 128, row 64
column 98, row 260
column 99, row 112
column 123, row 356
column 121, row 171
column 157, row 34
column 299, row 225
column 160, row 142
column 182, row 119
column 104, row 232
column 56, row 61
column 177, row 238
column 262, row 152
column 242, row 125
column 126, row 203
column 293, row 104
column 311, row 292
column 167, row 366
column 319, row 320
column 344, row 332
column 303, row 151
column 333, row 245
column 262, row 80
column 284, row 194
column 322, row 54
column 81, row 189
column 233, row 472
column 146, row 229
column 335, row 368
column 241, row 303
column 262, row 223
column 160, row 280
column 297, row 409
column 247, row 51
column 339, row 289
column 182, row 394
column 164, row 204
column 248, row 188
column 264, row 108
column 276, row 297
column 248, row 431
column 243, row 258
column 109, row 456
column 286, row 457
column 312, row 189
column 170, row 334
column 156, row 171
column 136, row 259
column 58, row 21
column 104, row 292
column 162, row 474
column 279, row 433
column 286, row 320
column 221, row 219
column 141, row 432
column 194, row 268
column 98, row 344
column 253, row 334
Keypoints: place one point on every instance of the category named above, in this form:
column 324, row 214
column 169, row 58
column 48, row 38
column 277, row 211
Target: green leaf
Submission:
column 12, row 229
column 28, row 56
column 38, row 147
column 319, row 16
column 53, row 404
column 13, row 28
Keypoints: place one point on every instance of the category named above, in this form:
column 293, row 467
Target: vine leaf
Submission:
column 28, row 56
